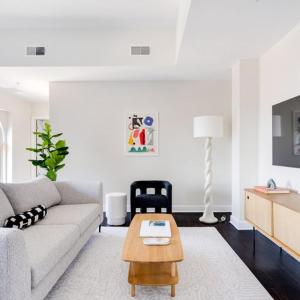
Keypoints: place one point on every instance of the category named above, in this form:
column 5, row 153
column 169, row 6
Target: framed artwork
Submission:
column 141, row 138
column 296, row 121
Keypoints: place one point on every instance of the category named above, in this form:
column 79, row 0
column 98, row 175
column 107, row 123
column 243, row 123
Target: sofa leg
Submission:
column 99, row 228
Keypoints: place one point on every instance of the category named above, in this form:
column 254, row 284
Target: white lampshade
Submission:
column 208, row 126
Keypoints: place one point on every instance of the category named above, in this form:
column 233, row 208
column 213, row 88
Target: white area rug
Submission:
column 210, row 270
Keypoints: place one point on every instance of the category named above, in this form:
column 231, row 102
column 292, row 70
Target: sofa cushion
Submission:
column 6, row 209
column 24, row 196
column 46, row 245
column 78, row 192
column 81, row 215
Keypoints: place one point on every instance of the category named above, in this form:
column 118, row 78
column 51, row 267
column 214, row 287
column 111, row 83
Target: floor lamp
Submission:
column 208, row 127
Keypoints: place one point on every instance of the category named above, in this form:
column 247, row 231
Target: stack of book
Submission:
column 155, row 232
column 153, row 228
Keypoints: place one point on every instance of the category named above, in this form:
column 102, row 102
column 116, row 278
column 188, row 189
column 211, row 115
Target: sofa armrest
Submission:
column 80, row 192
column 15, row 276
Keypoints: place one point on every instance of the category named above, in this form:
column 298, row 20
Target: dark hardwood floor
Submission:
column 278, row 273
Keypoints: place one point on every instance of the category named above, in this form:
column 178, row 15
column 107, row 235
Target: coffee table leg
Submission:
column 133, row 290
column 173, row 273
column 172, row 290
column 133, row 285
column 173, row 269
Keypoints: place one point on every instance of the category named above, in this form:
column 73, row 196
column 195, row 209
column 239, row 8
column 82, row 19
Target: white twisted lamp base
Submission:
column 208, row 215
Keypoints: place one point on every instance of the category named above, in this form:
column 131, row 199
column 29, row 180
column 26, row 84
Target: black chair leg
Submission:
column 99, row 228
column 132, row 214
column 253, row 240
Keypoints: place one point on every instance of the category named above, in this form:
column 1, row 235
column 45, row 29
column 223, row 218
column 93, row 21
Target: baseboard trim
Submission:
column 240, row 224
column 200, row 208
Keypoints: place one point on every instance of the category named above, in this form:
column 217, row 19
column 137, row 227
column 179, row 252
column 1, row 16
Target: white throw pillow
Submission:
column 24, row 196
column 6, row 209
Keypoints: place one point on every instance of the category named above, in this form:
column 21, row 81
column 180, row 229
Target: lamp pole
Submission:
column 208, row 215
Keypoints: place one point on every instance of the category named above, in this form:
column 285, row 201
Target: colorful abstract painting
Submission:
column 142, row 133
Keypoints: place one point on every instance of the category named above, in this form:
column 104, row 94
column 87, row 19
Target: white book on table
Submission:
column 150, row 228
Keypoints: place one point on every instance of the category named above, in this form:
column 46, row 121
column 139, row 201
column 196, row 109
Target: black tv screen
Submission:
column 286, row 133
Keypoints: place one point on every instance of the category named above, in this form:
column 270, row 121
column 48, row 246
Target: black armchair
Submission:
column 156, row 200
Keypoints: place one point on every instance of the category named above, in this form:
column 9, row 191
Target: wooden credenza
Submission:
column 277, row 216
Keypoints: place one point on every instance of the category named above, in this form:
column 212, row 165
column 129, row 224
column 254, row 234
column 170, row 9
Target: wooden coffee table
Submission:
column 152, row 265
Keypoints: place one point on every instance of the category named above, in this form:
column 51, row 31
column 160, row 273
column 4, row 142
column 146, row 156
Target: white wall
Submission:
column 40, row 110
column 279, row 81
column 91, row 116
column 19, row 112
column 245, row 101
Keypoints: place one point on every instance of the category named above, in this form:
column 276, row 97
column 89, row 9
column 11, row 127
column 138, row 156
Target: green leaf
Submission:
column 60, row 158
column 62, row 149
column 50, row 163
column 45, row 137
column 59, row 167
column 47, row 128
column 46, row 143
column 37, row 162
column 64, row 153
column 33, row 150
column 56, row 135
column 60, row 144
column 51, row 174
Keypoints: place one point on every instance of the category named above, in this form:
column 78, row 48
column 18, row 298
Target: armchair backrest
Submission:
column 157, row 185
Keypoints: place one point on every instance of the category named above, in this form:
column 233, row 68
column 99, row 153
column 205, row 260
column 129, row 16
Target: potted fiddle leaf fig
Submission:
column 50, row 152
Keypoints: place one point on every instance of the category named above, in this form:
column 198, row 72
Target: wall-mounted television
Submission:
column 286, row 133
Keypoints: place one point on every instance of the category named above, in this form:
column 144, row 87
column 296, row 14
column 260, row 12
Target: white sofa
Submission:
column 33, row 259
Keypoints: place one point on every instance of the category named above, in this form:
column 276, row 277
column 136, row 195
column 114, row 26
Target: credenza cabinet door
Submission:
column 259, row 212
column 250, row 207
column 287, row 227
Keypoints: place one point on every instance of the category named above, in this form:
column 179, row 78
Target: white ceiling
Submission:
column 217, row 33
column 86, row 13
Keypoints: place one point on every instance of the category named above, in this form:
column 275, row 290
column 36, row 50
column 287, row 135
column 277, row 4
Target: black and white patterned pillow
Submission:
column 26, row 218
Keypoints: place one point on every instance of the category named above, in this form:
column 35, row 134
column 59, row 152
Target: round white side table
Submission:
column 116, row 208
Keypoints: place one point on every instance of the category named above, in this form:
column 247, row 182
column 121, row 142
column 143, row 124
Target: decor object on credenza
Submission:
column 50, row 153
column 208, row 127
column 141, row 134
column 271, row 188
column 271, row 184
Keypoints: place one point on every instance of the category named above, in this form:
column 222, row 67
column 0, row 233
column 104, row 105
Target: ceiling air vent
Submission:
column 35, row 51
column 140, row 50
